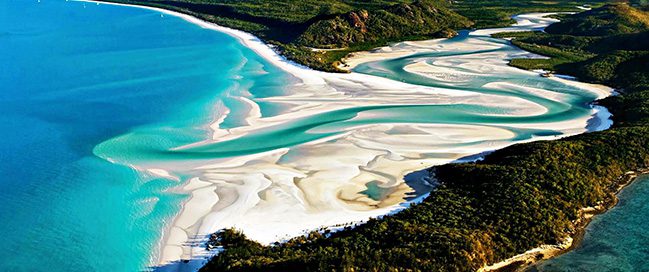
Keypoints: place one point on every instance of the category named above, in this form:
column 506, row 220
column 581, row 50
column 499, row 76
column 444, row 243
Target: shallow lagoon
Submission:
column 76, row 74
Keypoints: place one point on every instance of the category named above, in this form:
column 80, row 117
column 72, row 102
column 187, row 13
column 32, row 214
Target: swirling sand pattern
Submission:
column 339, row 147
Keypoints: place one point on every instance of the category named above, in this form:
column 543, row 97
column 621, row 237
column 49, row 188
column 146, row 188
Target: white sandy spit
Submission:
column 282, row 193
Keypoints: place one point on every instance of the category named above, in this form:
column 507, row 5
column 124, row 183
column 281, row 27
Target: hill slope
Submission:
column 608, row 20
column 420, row 18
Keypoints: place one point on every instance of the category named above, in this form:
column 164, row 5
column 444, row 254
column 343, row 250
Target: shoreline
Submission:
column 200, row 190
column 525, row 22
column 528, row 259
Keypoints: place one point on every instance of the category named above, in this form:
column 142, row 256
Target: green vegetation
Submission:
column 351, row 25
column 517, row 198
column 603, row 45
column 496, row 13
column 419, row 19
column 296, row 27
column 559, row 55
column 608, row 20
column 561, row 49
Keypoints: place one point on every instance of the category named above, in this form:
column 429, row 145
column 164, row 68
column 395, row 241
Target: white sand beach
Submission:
column 286, row 192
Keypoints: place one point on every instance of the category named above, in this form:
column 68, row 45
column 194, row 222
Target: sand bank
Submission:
column 357, row 173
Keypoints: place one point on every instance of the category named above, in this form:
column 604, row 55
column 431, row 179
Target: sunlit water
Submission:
column 76, row 74
column 614, row 241
column 91, row 92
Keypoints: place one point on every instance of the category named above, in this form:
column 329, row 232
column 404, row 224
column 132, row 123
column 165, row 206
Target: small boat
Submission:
column 548, row 74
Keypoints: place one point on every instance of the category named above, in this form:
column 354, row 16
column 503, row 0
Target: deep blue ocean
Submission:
column 75, row 74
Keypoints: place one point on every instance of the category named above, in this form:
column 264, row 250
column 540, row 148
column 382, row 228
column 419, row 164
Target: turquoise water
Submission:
column 76, row 74
column 614, row 241
column 85, row 84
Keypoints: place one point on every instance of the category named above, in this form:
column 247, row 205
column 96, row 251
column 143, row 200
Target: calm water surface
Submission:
column 76, row 74
column 614, row 241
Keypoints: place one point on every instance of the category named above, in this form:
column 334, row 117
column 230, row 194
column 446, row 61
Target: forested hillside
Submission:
column 296, row 27
column 516, row 199
column 608, row 20
column 419, row 19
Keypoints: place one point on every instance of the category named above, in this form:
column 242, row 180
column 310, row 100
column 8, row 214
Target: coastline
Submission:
column 203, row 196
column 533, row 256
column 525, row 22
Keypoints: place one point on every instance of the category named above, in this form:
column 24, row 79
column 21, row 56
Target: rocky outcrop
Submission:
column 357, row 20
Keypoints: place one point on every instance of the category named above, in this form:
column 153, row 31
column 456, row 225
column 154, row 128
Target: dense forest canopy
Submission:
column 605, row 21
